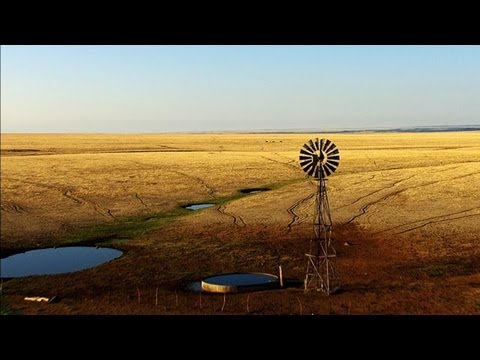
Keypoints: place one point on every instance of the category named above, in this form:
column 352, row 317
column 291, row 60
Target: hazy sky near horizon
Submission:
column 145, row 89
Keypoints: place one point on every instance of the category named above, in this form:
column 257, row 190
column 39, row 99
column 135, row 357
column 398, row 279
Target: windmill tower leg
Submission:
column 321, row 273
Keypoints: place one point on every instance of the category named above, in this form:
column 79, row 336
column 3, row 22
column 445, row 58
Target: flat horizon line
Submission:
column 408, row 129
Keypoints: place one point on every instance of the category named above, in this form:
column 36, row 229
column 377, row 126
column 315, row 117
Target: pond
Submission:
column 55, row 260
column 195, row 207
column 253, row 190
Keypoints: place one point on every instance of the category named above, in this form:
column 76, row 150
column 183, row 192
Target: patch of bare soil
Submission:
column 376, row 278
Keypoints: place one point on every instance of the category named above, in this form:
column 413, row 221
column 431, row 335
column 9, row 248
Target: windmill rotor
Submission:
column 319, row 158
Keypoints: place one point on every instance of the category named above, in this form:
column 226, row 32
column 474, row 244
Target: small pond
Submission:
column 195, row 207
column 55, row 260
column 253, row 190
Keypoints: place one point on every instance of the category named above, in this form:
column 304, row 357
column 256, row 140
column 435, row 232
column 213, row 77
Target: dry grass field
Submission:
column 408, row 202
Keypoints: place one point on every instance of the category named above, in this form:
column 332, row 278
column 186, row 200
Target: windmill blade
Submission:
column 331, row 168
column 308, row 149
column 308, row 167
column 333, row 151
column 327, row 170
column 332, row 163
column 305, row 163
column 330, row 148
column 326, row 145
column 305, row 152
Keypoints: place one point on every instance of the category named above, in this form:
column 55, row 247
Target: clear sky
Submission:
column 210, row 88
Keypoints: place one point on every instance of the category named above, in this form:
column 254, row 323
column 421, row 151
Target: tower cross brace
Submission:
column 321, row 274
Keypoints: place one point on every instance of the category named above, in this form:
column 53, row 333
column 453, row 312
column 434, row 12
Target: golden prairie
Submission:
column 409, row 202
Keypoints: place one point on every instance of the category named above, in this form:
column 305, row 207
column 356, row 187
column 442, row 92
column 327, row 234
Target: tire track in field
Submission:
column 12, row 207
column 286, row 157
column 375, row 202
column 429, row 220
column 435, row 221
column 282, row 163
column 105, row 212
column 440, row 181
column 375, row 192
column 293, row 207
column 69, row 194
column 136, row 195
column 416, row 168
column 367, row 206
column 237, row 219
column 210, row 190
column 141, row 200
column 363, row 181
column 377, row 171
column 449, row 169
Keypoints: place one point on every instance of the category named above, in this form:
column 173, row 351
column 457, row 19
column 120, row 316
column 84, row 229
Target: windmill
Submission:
column 319, row 158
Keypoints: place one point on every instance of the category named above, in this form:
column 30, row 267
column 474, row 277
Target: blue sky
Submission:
column 143, row 89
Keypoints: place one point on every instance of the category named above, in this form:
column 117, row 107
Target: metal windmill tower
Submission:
column 319, row 158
